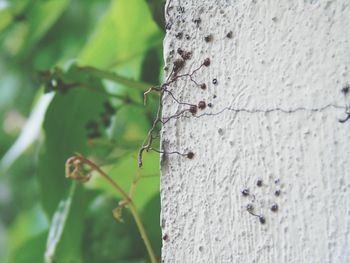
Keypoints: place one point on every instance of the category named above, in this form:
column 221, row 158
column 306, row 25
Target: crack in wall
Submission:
column 253, row 111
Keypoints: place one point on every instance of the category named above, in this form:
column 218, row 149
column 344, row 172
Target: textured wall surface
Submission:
column 273, row 115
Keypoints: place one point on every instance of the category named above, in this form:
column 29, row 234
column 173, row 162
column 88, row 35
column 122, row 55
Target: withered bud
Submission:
column 193, row 109
column 206, row 62
column 201, row 105
column 178, row 64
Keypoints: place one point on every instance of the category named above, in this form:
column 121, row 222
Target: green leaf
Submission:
column 157, row 9
column 65, row 234
column 105, row 239
column 65, row 129
column 130, row 124
column 29, row 133
column 12, row 13
column 151, row 66
column 5, row 18
column 32, row 250
column 28, row 223
column 124, row 171
column 57, row 227
column 39, row 18
column 152, row 222
column 125, row 32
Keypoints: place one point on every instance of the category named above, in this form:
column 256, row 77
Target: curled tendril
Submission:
column 74, row 169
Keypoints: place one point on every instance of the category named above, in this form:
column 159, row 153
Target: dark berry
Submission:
column 245, row 192
column 193, row 109
column 201, row 105
column 190, row 155
column 345, row 89
column 274, row 208
column 259, row 182
column 206, row 62
column 208, row 38
column 262, row 219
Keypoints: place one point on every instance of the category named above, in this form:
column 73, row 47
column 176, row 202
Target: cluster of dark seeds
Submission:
column 179, row 64
column 179, row 35
column 185, row 55
column 250, row 207
column 93, row 127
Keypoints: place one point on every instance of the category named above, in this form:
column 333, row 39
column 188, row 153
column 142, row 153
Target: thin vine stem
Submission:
column 75, row 162
column 112, row 76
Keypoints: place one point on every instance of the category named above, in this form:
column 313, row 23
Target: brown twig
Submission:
column 173, row 77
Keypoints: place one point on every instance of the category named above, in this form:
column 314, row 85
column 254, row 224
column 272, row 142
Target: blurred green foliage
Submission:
column 92, row 60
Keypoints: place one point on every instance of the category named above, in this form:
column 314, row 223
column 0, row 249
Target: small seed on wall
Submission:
column 262, row 219
column 345, row 89
column 274, row 208
column 193, row 109
column 208, row 38
column 206, row 62
column 259, row 182
column 190, row 155
column 245, row 192
column 201, row 105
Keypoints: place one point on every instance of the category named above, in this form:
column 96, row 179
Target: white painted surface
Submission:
column 284, row 66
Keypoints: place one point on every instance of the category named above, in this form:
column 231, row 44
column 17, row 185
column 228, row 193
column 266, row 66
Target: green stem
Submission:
column 143, row 233
column 128, row 201
column 135, row 214
column 116, row 78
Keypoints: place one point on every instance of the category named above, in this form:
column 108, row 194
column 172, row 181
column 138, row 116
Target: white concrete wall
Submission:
column 275, row 117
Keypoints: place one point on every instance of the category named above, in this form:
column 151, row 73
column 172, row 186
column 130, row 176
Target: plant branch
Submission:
column 74, row 171
column 112, row 76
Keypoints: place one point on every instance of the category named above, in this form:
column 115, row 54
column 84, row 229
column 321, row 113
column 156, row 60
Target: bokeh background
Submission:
column 72, row 77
